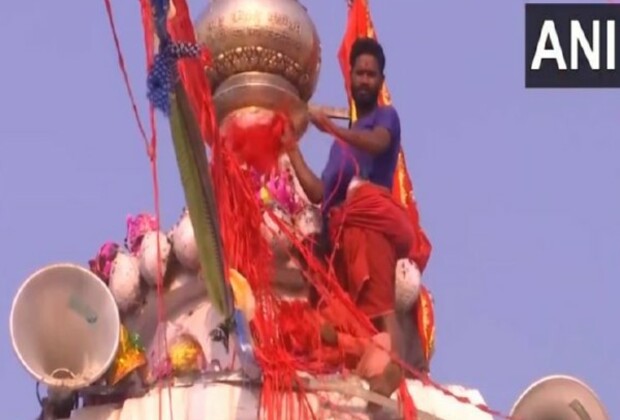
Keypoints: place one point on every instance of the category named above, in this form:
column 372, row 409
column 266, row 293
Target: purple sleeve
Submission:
column 387, row 117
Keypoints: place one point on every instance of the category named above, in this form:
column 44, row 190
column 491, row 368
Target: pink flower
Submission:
column 137, row 227
column 101, row 265
column 280, row 186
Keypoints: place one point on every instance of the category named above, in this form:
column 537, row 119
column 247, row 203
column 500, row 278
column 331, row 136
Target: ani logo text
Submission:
column 571, row 45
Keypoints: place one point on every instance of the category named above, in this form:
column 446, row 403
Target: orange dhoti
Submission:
column 370, row 231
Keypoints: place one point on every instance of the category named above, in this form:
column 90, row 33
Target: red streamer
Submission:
column 258, row 143
column 281, row 330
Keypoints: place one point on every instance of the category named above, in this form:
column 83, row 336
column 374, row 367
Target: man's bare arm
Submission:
column 374, row 141
column 310, row 183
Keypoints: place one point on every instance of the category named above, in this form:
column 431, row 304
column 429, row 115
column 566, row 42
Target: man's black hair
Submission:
column 368, row 46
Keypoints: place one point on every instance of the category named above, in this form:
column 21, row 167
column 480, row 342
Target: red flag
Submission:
column 359, row 24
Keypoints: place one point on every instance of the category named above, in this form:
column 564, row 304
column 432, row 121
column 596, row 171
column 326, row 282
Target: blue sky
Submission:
column 518, row 189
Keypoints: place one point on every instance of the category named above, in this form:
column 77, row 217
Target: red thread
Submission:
column 151, row 150
column 244, row 245
column 256, row 137
column 121, row 64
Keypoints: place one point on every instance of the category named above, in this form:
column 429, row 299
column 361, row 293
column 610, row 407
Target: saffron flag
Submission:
column 359, row 24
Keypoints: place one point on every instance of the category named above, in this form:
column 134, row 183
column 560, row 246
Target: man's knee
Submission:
column 388, row 323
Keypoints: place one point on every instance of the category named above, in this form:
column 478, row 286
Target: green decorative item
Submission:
column 200, row 198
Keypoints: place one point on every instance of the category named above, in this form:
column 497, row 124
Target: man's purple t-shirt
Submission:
column 341, row 165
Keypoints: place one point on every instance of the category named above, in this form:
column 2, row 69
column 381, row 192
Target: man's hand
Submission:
column 321, row 121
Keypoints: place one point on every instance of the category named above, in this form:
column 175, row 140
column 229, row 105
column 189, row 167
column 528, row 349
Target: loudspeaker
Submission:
column 559, row 397
column 65, row 327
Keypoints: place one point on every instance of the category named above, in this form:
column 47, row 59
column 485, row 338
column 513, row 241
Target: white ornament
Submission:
column 250, row 117
column 183, row 279
column 354, row 184
column 407, row 287
column 147, row 255
column 124, row 281
column 307, row 222
column 285, row 165
column 274, row 234
column 184, row 243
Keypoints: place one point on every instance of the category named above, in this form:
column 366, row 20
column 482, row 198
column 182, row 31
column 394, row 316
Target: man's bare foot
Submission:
column 386, row 383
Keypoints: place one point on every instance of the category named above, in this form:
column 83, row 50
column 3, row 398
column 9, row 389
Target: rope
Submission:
column 121, row 64
column 151, row 147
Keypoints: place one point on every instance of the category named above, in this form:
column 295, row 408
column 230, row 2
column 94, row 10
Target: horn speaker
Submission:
column 559, row 397
column 65, row 327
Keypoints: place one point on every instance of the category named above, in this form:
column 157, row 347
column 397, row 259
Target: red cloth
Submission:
column 371, row 232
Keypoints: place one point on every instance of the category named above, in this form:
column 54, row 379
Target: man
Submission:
column 367, row 228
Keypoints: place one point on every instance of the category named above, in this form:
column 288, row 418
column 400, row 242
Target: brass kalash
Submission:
column 266, row 56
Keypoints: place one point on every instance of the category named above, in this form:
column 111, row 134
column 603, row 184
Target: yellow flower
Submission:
column 130, row 357
column 265, row 196
column 244, row 298
column 186, row 355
